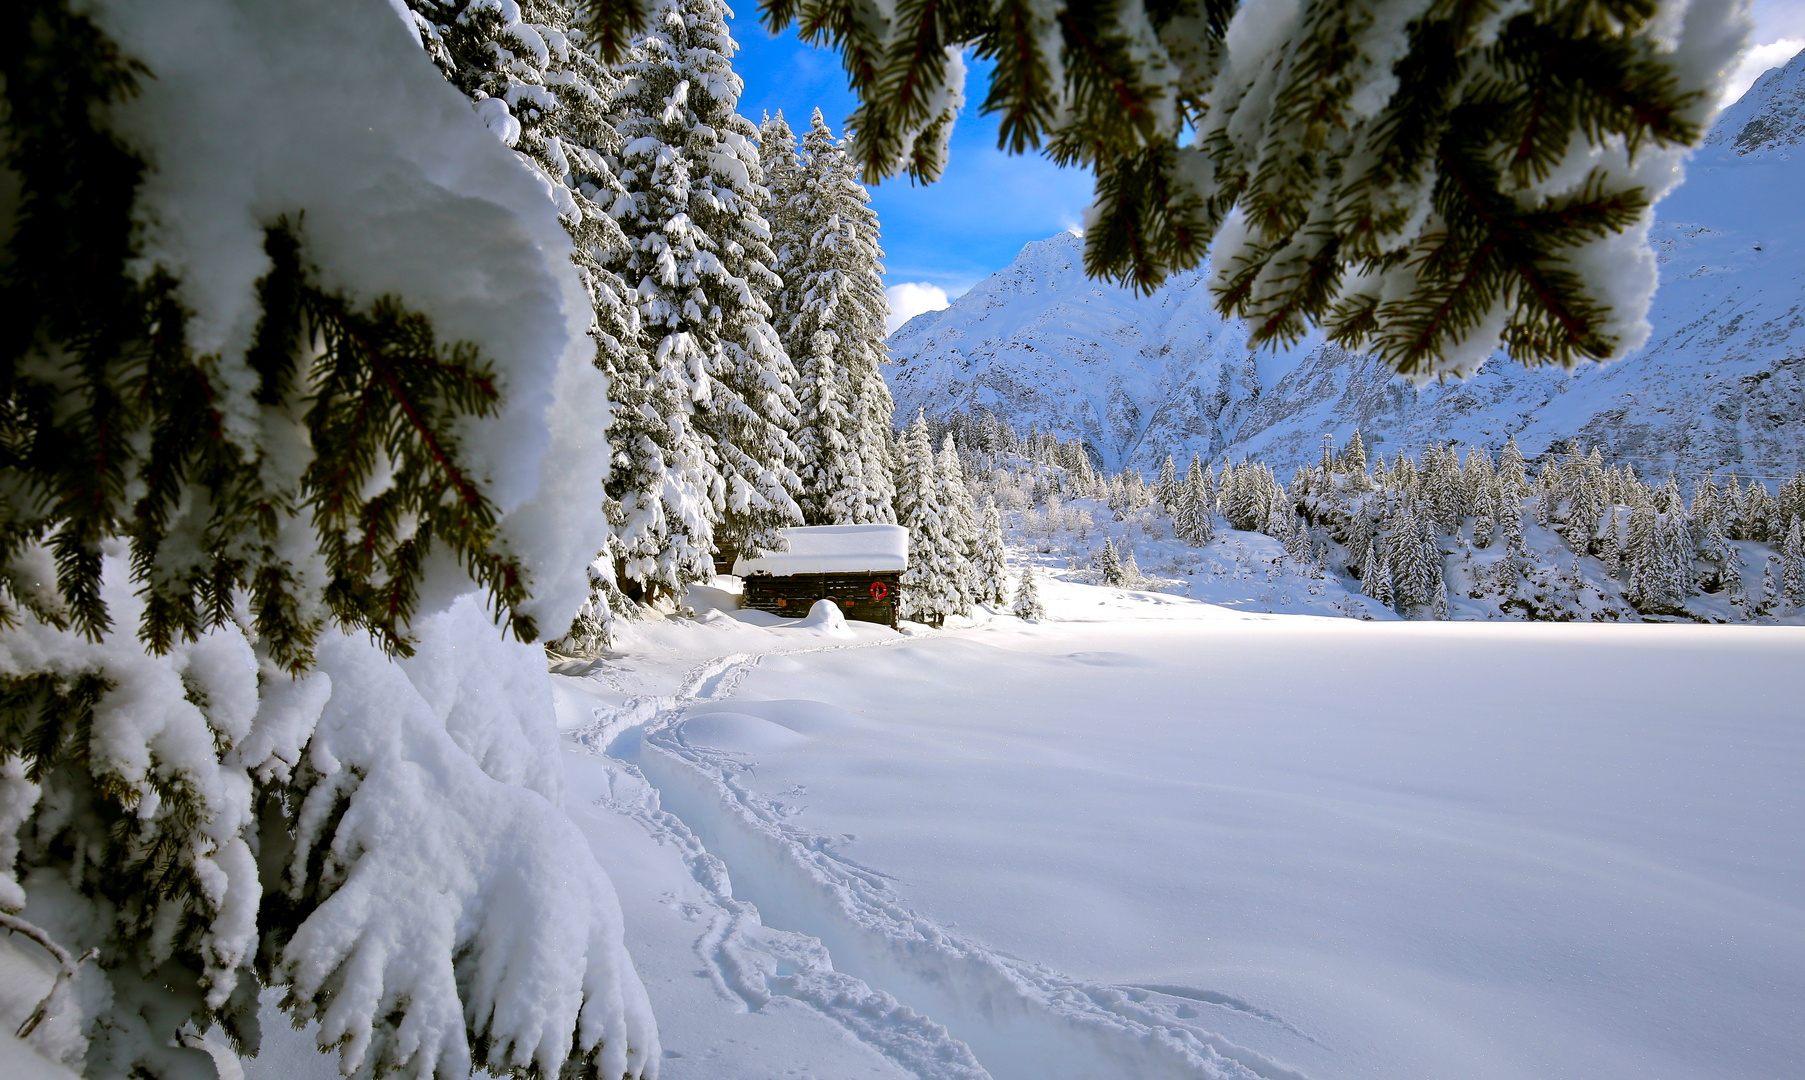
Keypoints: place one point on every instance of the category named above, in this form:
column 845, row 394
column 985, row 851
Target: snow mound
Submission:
column 738, row 733
column 825, row 616
column 805, row 717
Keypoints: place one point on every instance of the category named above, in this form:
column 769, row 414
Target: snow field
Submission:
column 1152, row 837
column 764, row 1001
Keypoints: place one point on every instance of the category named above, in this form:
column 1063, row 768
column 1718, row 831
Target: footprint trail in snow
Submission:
column 793, row 919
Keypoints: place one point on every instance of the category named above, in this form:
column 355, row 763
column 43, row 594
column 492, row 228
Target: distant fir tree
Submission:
column 962, row 538
column 1297, row 544
column 1375, row 576
column 1027, row 597
column 700, row 260
column 1165, row 486
column 993, row 558
column 1194, row 518
column 1542, row 508
column 1723, row 555
column 1512, row 524
column 1610, row 543
column 1279, row 515
column 1131, row 570
column 1479, row 474
column 1677, row 549
column 1485, row 505
column 1760, row 517
column 1513, row 477
column 1415, row 560
column 1106, row 565
column 1659, row 554
column 1352, row 461
column 1736, row 589
column 929, row 591
column 1792, row 565
column 880, row 458
column 1438, row 608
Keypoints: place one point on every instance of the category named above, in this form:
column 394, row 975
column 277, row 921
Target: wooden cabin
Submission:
column 858, row 567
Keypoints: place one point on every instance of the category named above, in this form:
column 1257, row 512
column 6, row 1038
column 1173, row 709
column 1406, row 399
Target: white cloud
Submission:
column 910, row 298
column 1756, row 62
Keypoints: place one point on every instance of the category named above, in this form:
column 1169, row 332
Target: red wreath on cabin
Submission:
column 879, row 590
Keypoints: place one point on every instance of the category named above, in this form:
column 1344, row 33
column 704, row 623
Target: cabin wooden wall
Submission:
column 793, row 595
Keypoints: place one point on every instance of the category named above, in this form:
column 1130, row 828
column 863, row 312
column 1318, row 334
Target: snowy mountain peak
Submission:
column 1720, row 383
column 1040, row 266
column 1769, row 119
column 1038, row 342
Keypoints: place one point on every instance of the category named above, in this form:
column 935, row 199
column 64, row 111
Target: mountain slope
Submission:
column 1720, row 382
column 1040, row 343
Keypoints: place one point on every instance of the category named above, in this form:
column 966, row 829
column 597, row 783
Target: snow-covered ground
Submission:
column 1152, row 837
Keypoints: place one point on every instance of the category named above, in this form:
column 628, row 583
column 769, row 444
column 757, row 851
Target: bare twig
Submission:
column 65, row 965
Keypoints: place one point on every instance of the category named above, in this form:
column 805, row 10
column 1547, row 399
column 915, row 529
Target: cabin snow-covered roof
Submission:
column 834, row 549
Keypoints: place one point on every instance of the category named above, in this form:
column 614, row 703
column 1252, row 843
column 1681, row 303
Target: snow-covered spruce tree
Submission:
column 827, row 460
column 1106, row 565
column 1352, row 461
column 1717, row 549
column 1609, row 543
column 1792, row 565
column 833, row 306
column 929, row 591
column 878, row 454
column 1485, row 503
column 1131, row 570
column 784, row 180
column 1027, row 597
column 1650, row 577
column 272, row 447
column 1415, row 560
column 962, row 536
column 699, row 256
column 1735, row 586
column 1165, row 486
column 1479, row 474
column 1297, row 545
column 1424, row 180
column 1194, row 519
column 1760, row 517
column 1375, row 575
column 993, row 558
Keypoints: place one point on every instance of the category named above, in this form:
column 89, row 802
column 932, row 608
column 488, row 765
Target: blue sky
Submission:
column 951, row 234
column 954, row 232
